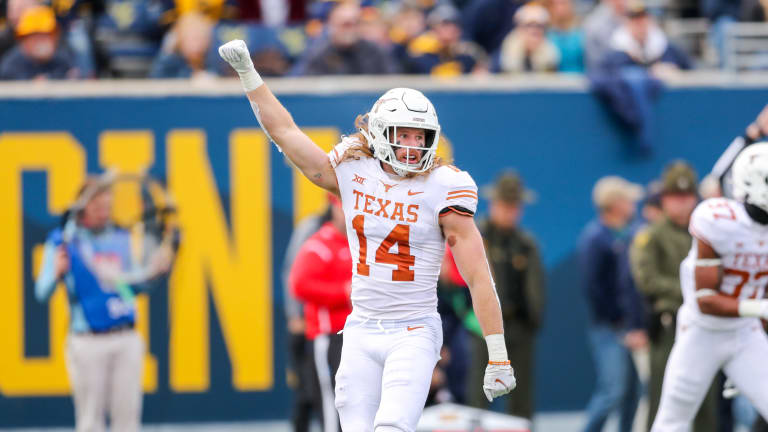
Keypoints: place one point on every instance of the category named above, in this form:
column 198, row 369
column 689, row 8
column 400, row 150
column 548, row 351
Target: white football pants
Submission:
column 698, row 354
column 385, row 372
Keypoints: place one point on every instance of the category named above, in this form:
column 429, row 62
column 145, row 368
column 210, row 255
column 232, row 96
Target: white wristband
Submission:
column 753, row 308
column 251, row 80
column 497, row 348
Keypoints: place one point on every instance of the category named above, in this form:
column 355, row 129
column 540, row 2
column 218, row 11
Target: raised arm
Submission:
column 277, row 122
column 467, row 247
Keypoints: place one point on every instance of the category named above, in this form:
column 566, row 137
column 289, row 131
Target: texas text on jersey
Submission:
column 743, row 247
column 395, row 220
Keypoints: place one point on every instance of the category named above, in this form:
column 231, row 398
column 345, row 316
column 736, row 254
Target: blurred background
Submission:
column 537, row 101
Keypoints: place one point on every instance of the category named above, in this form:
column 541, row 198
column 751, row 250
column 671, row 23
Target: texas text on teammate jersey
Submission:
column 743, row 247
column 394, row 232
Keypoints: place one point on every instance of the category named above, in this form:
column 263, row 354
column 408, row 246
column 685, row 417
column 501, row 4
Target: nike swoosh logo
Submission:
column 502, row 383
column 414, row 328
column 411, row 193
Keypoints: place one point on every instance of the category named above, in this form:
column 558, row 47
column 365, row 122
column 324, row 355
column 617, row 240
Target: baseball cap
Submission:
column 509, row 188
column 610, row 188
column 37, row 19
column 680, row 178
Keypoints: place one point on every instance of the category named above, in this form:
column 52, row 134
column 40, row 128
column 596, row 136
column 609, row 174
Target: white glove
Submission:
column 499, row 380
column 236, row 54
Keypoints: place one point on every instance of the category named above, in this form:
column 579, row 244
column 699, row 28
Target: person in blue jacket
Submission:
column 104, row 353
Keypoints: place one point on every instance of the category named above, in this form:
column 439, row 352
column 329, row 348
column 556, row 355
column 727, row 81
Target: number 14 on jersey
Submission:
column 403, row 259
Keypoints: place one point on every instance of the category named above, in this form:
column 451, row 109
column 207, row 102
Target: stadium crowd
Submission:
column 82, row 39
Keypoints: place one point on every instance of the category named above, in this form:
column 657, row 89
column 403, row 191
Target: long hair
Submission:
column 363, row 148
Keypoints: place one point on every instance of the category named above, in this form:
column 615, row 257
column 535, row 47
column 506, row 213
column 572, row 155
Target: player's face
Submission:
column 406, row 138
column 98, row 211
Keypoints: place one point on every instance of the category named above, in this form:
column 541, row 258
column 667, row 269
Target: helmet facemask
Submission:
column 402, row 108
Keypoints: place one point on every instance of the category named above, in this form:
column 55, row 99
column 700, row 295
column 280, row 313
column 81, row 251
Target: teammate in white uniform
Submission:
column 723, row 281
column 401, row 207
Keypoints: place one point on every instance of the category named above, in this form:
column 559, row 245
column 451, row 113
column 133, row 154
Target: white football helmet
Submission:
column 402, row 107
column 750, row 175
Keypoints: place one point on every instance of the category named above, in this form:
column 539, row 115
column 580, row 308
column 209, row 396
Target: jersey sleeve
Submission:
column 458, row 193
column 711, row 220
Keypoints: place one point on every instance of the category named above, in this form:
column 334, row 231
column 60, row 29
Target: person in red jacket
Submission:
column 321, row 277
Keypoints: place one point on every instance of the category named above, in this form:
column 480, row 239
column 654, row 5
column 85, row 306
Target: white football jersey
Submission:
column 743, row 247
column 394, row 233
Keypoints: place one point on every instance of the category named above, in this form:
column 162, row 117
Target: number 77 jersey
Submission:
column 394, row 234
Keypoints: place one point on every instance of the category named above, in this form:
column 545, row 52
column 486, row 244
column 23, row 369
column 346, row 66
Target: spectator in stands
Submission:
column 631, row 73
column 10, row 12
column 639, row 41
column 599, row 26
column 513, row 255
column 721, row 14
column 187, row 46
column 300, row 370
column 407, row 23
column 38, row 54
column 127, row 34
column 373, row 28
column 616, row 310
column 344, row 52
column 488, row 22
column 321, row 277
column 441, row 51
column 566, row 34
column 526, row 49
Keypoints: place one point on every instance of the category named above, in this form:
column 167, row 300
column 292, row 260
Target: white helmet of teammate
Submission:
column 402, row 107
column 750, row 175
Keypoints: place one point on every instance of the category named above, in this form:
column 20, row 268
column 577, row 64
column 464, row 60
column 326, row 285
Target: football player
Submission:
column 401, row 206
column 723, row 281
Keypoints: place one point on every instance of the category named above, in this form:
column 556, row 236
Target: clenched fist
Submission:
column 499, row 380
column 236, row 54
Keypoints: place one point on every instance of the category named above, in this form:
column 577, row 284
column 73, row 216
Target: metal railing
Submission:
column 746, row 47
